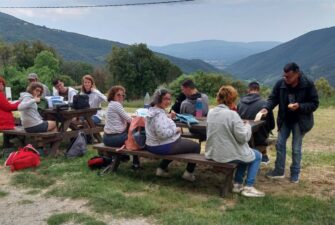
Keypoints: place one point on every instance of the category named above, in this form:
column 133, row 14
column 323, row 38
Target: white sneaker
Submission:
column 162, row 173
column 237, row 188
column 252, row 192
column 188, row 176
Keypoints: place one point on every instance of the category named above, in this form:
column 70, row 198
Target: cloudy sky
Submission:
column 230, row 20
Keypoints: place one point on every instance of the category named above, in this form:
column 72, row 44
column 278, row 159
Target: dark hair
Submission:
column 253, row 86
column 33, row 86
column 55, row 82
column 113, row 90
column 158, row 96
column 291, row 67
column 188, row 83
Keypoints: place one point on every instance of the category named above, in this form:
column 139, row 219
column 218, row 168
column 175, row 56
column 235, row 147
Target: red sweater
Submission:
column 6, row 116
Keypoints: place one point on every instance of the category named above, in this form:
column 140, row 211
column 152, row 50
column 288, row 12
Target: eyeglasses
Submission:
column 121, row 95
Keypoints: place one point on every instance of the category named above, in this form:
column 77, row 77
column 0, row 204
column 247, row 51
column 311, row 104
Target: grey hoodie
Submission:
column 159, row 128
column 188, row 105
column 28, row 111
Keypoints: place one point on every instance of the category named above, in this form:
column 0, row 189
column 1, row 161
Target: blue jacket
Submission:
column 305, row 94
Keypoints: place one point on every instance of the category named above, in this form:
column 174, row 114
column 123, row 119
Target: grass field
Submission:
column 174, row 201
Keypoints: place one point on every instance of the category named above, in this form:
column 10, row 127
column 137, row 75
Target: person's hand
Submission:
column 37, row 99
column 293, row 106
column 178, row 130
column 264, row 111
column 172, row 114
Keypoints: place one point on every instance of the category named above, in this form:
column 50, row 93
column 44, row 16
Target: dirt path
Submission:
column 19, row 207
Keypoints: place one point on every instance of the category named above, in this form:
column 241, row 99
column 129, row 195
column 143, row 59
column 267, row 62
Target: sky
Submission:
column 229, row 20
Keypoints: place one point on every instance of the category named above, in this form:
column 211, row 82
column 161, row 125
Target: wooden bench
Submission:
column 37, row 139
column 226, row 168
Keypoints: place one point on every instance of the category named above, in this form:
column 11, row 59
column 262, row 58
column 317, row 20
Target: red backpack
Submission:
column 25, row 157
column 136, row 134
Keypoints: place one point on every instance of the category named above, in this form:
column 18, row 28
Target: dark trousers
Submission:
column 179, row 147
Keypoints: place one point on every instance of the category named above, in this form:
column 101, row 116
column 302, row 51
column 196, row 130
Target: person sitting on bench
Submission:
column 227, row 142
column 163, row 137
column 30, row 118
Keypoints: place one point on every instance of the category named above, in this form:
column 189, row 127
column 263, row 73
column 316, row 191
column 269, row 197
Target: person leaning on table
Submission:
column 30, row 118
column 227, row 142
column 163, row 137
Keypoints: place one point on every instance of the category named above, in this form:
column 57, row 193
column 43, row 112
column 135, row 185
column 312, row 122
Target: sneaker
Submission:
column 252, row 192
column 237, row 188
column 162, row 173
column 273, row 174
column 188, row 176
column 265, row 160
column 295, row 178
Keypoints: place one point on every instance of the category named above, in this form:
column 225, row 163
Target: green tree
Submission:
column 139, row 70
column 76, row 70
column 6, row 54
column 325, row 90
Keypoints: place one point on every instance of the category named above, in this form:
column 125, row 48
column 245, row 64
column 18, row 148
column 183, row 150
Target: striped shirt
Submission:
column 116, row 118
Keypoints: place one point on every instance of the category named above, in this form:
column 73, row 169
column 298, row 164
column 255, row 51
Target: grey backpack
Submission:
column 78, row 147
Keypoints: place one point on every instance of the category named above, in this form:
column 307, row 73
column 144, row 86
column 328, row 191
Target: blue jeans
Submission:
column 96, row 119
column 297, row 137
column 252, row 168
column 115, row 140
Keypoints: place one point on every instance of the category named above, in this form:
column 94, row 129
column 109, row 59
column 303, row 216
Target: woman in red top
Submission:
column 6, row 108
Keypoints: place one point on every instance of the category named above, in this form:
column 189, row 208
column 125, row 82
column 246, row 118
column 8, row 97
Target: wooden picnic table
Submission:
column 70, row 122
column 203, row 125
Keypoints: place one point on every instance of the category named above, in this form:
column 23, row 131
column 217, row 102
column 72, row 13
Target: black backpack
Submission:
column 80, row 102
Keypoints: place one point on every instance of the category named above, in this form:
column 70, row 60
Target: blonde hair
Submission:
column 90, row 78
column 226, row 95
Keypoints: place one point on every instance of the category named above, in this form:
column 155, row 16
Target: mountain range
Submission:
column 216, row 52
column 314, row 52
column 77, row 47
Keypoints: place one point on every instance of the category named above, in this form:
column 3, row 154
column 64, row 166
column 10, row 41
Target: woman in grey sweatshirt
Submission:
column 30, row 118
column 163, row 137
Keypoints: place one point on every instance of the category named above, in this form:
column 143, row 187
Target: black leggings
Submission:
column 179, row 147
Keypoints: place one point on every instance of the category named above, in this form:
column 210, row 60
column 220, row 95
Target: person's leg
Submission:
column 240, row 172
column 185, row 146
column 297, row 137
column 52, row 126
column 114, row 140
column 283, row 134
column 253, row 168
column 96, row 119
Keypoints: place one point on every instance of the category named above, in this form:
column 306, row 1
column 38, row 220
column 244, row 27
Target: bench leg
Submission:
column 227, row 184
column 113, row 166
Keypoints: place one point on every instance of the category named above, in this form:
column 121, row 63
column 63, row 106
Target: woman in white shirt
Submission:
column 95, row 96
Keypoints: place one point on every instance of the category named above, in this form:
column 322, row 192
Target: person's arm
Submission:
column 72, row 92
column 5, row 105
column 120, row 110
column 101, row 96
column 313, row 101
column 273, row 99
column 164, row 128
column 26, row 103
column 241, row 130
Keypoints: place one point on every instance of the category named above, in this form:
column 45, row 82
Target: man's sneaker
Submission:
column 162, row 173
column 237, row 188
column 273, row 174
column 294, row 178
column 188, row 176
column 265, row 160
column 252, row 192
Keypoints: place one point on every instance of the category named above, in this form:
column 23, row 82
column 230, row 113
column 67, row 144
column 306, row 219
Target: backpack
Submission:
column 25, row 157
column 78, row 147
column 80, row 102
column 136, row 134
column 98, row 162
column 187, row 118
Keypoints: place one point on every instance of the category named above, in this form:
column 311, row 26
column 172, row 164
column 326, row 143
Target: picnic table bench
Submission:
column 227, row 169
column 38, row 139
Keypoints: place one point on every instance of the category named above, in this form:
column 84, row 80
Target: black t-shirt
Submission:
column 291, row 116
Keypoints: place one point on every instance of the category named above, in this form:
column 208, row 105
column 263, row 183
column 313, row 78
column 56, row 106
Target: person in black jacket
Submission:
column 247, row 108
column 297, row 98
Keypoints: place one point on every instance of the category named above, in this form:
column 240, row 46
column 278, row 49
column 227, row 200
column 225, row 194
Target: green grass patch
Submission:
column 78, row 218
column 318, row 158
column 25, row 202
column 3, row 194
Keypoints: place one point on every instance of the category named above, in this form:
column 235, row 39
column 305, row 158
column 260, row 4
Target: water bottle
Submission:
column 147, row 100
column 198, row 108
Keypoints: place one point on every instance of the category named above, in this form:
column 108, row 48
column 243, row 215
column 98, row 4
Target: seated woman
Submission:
column 117, row 121
column 163, row 137
column 30, row 118
column 227, row 141
column 95, row 96
column 6, row 108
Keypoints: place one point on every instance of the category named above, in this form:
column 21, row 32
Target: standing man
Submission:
column 66, row 92
column 248, row 107
column 32, row 77
column 297, row 98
